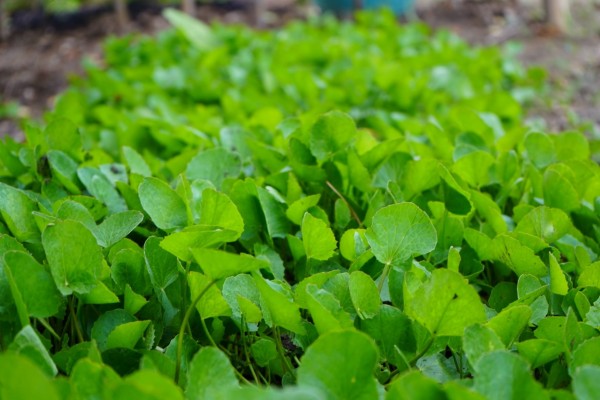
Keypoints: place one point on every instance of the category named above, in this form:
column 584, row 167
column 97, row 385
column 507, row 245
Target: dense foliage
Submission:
column 328, row 211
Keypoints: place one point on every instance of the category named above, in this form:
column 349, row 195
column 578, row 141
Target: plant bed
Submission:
column 330, row 211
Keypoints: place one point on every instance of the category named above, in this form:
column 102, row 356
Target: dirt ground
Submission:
column 36, row 62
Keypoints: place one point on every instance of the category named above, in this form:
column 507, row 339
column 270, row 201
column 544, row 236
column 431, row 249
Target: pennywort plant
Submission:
column 330, row 211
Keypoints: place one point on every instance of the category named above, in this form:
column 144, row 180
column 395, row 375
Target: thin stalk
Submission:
column 458, row 368
column 183, row 289
column 341, row 196
column 75, row 321
column 286, row 363
column 242, row 377
column 207, row 333
column 184, row 322
column 246, row 353
column 46, row 325
column 384, row 275
column 424, row 350
column 401, row 354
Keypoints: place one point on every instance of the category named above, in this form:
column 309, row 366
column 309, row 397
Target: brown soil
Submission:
column 35, row 64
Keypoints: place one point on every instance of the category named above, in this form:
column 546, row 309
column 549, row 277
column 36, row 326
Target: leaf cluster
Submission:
column 330, row 211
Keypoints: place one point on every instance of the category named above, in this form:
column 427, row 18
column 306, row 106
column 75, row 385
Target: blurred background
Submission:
column 43, row 42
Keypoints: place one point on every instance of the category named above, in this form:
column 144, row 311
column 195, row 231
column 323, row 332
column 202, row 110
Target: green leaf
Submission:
column 212, row 303
column 28, row 343
column 445, row 304
column 75, row 211
column 558, row 281
column 586, row 382
column 364, row 294
column 198, row 33
column 518, row 257
column 133, row 302
column 128, row 268
column 126, row 335
column 74, row 256
column 100, row 294
column 271, row 393
column 62, row 134
column 219, row 211
column 214, row 165
column 549, row 224
column 218, row 264
column 489, row 210
column 571, row 334
column 415, row 386
column 164, row 206
column 331, row 133
column 326, row 310
column 479, row 340
column 162, row 267
column 341, row 364
column 16, row 208
column 106, row 323
column 67, row 358
column 147, row 385
column 393, row 333
column 539, row 351
column 353, row 244
column 278, row 308
column 243, row 298
column 264, row 351
column 319, row 241
column 455, row 390
column 264, row 252
column 559, row 192
column 13, row 369
column 136, row 163
column 34, row 283
column 64, row 168
column 277, row 223
column 455, row 198
column 587, row 353
column 504, row 376
column 474, row 168
column 181, row 243
column 210, row 372
column 571, row 146
column 540, row 149
column 117, row 226
column 509, row 324
column 590, row 276
column 98, row 185
column 297, row 209
column 399, row 232
column 92, row 379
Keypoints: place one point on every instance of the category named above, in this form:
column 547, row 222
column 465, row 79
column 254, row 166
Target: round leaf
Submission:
column 399, row 232
column 364, row 294
column 341, row 364
column 446, row 304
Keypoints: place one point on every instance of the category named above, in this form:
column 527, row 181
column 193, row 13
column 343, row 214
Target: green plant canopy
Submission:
column 332, row 210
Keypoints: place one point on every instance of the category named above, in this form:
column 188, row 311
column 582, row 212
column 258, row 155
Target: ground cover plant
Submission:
column 333, row 210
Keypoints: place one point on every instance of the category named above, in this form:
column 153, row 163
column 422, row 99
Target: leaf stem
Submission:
column 207, row 333
column 401, row 354
column 49, row 328
column 246, row 353
column 384, row 275
column 423, row 351
column 341, row 196
column 184, row 322
column 75, row 321
column 286, row 362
